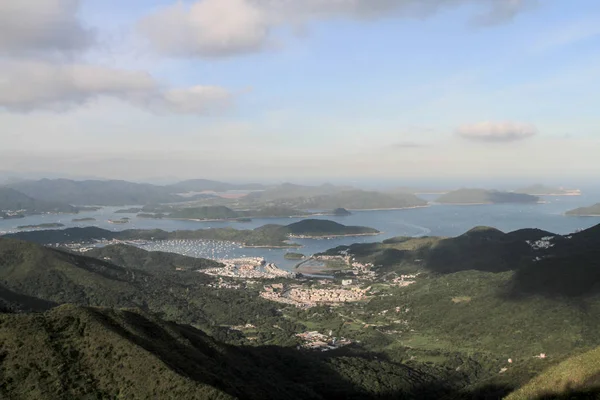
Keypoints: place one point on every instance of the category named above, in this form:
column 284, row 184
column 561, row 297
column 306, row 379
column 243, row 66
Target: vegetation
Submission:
column 483, row 196
column 205, row 213
column 434, row 338
column 574, row 378
column 324, row 228
column 12, row 200
column 95, row 192
column 591, row 211
column 84, row 219
column 294, row 256
column 41, row 226
column 265, row 236
column 341, row 212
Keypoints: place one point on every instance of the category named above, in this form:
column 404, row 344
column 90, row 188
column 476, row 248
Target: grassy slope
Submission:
column 575, row 378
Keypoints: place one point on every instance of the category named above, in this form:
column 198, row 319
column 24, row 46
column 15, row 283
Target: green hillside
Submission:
column 12, row 200
column 483, row 196
column 575, row 378
column 319, row 228
column 136, row 258
column 268, row 235
column 96, row 192
column 585, row 211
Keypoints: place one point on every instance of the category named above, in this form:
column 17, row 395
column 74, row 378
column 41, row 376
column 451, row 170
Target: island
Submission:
column 84, row 219
column 341, row 212
column 223, row 213
column 151, row 216
column 129, row 211
column 542, row 190
column 119, row 221
column 483, row 196
column 294, row 256
column 318, row 228
column 41, row 226
column 591, row 211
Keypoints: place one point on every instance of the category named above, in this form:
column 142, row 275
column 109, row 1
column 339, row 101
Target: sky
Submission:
column 279, row 90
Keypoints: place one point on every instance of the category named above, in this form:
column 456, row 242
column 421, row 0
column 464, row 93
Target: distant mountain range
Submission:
column 102, row 193
column 200, row 185
column 12, row 200
column 483, row 196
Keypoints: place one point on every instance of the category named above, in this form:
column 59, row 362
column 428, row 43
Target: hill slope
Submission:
column 575, row 378
column 483, row 196
column 200, row 185
column 94, row 192
column 591, row 211
column 12, row 200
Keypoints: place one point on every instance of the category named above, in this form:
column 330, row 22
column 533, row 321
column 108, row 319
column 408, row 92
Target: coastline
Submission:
column 387, row 209
column 334, row 236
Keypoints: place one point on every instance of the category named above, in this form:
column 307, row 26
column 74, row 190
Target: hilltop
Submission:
column 591, row 211
column 12, row 200
column 483, row 196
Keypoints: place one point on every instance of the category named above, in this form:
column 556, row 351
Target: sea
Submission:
column 435, row 220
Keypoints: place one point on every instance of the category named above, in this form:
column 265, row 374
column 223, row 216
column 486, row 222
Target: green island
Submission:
column 218, row 213
column 483, row 196
column 341, row 212
column 294, row 256
column 486, row 314
column 84, row 219
column 591, row 211
column 42, row 226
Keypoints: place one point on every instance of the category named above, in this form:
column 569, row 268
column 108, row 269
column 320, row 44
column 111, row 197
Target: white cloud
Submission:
column 41, row 26
column 208, row 28
column 219, row 28
column 31, row 85
column 497, row 131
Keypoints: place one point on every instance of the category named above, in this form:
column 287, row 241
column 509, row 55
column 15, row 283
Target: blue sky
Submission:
column 320, row 89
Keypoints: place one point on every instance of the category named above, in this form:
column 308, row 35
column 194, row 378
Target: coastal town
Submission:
column 307, row 297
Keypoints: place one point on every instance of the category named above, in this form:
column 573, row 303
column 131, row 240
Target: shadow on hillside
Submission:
column 271, row 372
column 14, row 302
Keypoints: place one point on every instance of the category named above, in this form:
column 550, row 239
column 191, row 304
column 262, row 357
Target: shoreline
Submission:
column 334, row 236
column 388, row 209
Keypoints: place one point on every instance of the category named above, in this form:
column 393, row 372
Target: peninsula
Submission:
column 542, row 190
column 483, row 196
column 591, row 211
column 268, row 236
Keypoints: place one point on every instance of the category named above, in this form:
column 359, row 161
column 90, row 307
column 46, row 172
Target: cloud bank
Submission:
column 221, row 28
column 42, row 26
column 497, row 131
column 31, row 85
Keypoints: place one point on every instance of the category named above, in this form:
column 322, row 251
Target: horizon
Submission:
column 463, row 91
